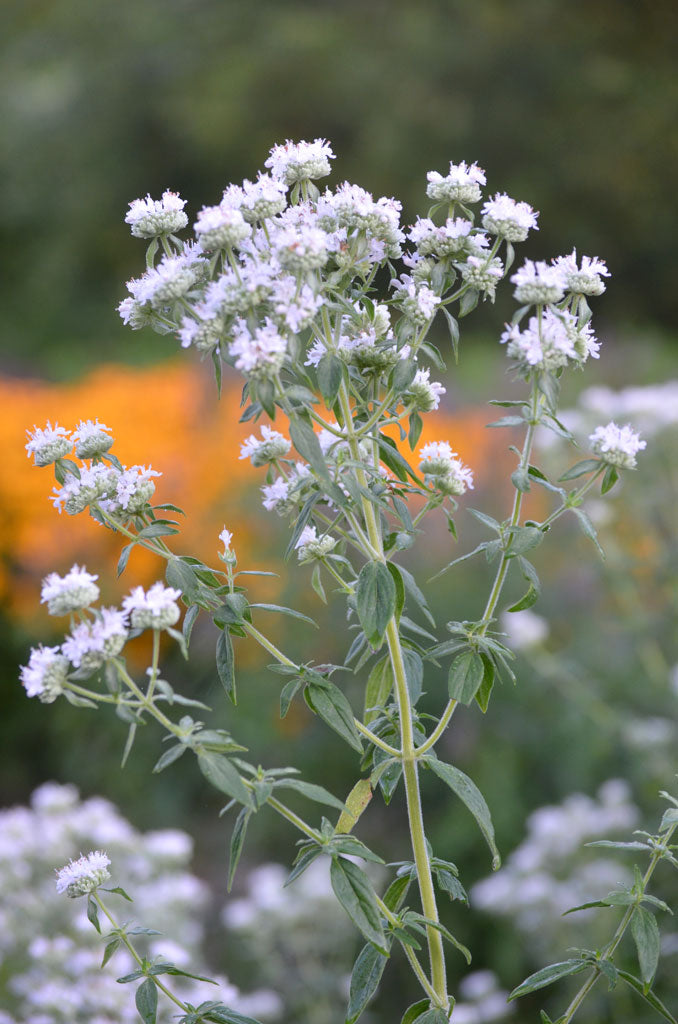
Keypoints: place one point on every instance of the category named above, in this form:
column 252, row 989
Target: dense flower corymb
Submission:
column 92, row 643
column 82, row 876
column 155, row 609
column 152, row 217
column 45, row 673
column 301, row 161
column 48, row 444
column 65, row 594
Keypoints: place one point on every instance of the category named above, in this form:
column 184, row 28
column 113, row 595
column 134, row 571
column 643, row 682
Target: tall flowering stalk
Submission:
column 301, row 292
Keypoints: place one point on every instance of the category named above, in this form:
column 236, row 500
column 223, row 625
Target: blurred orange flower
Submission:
column 167, row 416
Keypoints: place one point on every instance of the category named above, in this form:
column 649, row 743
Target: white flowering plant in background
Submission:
column 324, row 302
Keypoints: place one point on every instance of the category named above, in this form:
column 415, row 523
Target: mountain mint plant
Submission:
column 324, row 303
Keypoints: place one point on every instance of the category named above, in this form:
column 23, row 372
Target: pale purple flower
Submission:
column 65, row 594
column 155, row 608
column 94, row 484
column 275, row 495
column 261, row 353
column 425, row 392
column 585, row 279
column 45, row 673
column 447, row 472
column 134, row 487
column 538, row 283
column 47, row 444
column 82, row 876
column 271, row 446
column 508, row 218
column 221, row 227
column 551, row 343
column 301, row 161
column 482, row 274
column 91, row 439
column 461, row 184
column 92, row 643
column 448, row 239
column 170, row 280
column 152, row 217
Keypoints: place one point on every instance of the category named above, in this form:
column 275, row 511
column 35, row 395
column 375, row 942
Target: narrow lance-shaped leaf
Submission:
column 146, row 1000
column 226, row 665
column 375, row 600
column 365, row 978
column 466, row 675
column 646, row 937
column 223, row 775
column 469, row 794
column 547, row 975
column 353, row 890
column 332, row 706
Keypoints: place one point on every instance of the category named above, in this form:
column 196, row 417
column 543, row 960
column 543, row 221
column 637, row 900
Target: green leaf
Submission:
column 415, row 593
column 181, row 577
column 365, row 978
column 588, row 528
column 354, row 891
column 484, row 691
column 465, row 676
column 93, row 913
column 219, row 771
column 311, row 791
column 470, row 795
column 305, row 440
column 400, row 588
column 609, row 479
column 580, row 468
column 378, row 689
column 526, row 601
column 224, row 1015
column 110, row 950
column 416, row 427
column 648, row 995
column 547, row 975
column 189, row 621
column 375, row 600
column 237, row 841
column 225, row 664
column 415, row 1011
column 169, row 757
column 146, row 999
column 394, row 896
column 329, row 373
column 646, row 937
column 332, row 706
column 124, row 558
column 287, row 695
column 524, row 538
column 414, row 673
column 284, row 611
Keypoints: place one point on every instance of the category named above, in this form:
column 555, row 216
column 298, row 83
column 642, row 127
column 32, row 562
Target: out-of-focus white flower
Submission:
column 84, row 875
column 276, row 495
column 65, row 594
column 152, row 217
column 538, row 283
column 92, row 643
column 228, row 554
column 584, row 280
column 271, row 446
column 47, row 444
column 617, row 446
column 508, row 218
column 651, row 408
column 91, row 439
column 460, row 185
column 524, row 629
column 155, row 608
column 300, row 161
column 45, row 673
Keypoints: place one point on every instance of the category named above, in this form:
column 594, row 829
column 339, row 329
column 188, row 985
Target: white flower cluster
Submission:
column 272, row 446
column 444, row 470
column 65, row 594
column 504, row 216
column 149, row 218
column 50, row 443
column 551, row 342
column 617, row 446
column 84, row 875
column 155, row 608
column 460, row 185
column 481, row 999
column 310, row 546
column 551, row 871
column 58, row 979
column 524, row 629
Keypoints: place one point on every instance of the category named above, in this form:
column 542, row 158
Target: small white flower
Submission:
column 617, row 446
column 171, row 280
column 92, row 643
column 276, row 495
column 419, row 302
column 152, row 217
column 271, row 446
column 538, row 283
column 584, row 280
column 550, row 343
column 134, row 487
column 154, row 609
column 135, row 315
column 48, row 444
column 301, row 161
column 447, row 240
column 303, row 248
column 309, row 546
column 95, row 483
column 220, row 227
column 45, row 673
column 260, row 354
column 447, row 472
column 508, row 218
column 462, row 184
column 82, row 876
column 228, row 554
column 91, row 439
column 260, row 199
column 482, row 274
column 426, row 393
column 65, row 594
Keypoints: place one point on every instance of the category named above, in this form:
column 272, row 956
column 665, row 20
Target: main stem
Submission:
column 409, row 756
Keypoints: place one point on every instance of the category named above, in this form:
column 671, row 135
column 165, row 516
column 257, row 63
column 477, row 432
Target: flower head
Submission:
column 82, row 876
column 271, row 446
column 153, row 609
column 221, row 227
column 48, row 444
column 617, row 446
column 310, row 546
column 152, row 217
column 301, row 161
column 261, row 353
column 461, row 185
column 65, row 594
column 444, row 470
column 426, row 393
column 91, row 439
column 508, row 218
column 134, row 487
column 538, row 283
column 45, row 673
column 92, row 643
column 94, row 484
column 584, row 280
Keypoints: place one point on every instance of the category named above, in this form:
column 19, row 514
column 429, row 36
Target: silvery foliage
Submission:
column 286, row 285
column 51, row 958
